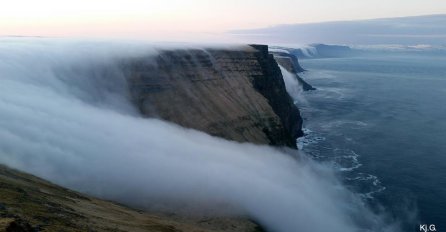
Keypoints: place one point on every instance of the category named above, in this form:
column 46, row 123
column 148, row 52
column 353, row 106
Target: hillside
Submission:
column 28, row 203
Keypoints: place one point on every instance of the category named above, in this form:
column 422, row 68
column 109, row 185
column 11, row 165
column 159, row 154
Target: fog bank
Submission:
column 65, row 117
column 292, row 85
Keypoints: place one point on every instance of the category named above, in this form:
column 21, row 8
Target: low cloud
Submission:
column 65, row 121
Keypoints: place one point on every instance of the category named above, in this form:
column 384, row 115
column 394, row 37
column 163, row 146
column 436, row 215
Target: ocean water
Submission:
column 381, row 121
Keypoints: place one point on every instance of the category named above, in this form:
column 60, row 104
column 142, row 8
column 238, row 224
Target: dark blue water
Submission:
column 381, row 120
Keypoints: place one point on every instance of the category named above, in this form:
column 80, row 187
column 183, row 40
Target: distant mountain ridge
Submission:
column 427, row 29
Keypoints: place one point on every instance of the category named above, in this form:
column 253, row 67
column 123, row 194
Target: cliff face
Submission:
column 291, row 64
column 318, row 51
column 288, row 61
column 272, row 86
column 235, row 94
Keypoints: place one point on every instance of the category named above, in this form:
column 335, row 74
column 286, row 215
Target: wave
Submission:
column 345, row 161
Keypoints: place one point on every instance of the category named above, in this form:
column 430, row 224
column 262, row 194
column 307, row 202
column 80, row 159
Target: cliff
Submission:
column 319, row 51
column 236, row 94
column 288, row 61
column 291, row 64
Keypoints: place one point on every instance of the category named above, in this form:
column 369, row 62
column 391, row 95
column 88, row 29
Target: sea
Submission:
column 379, row 118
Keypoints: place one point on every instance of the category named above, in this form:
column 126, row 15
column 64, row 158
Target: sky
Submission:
column 172, row 19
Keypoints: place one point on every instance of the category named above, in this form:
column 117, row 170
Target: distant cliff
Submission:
column 287, row 60
column 291, row 64
column 318, row 51
column 237, row 94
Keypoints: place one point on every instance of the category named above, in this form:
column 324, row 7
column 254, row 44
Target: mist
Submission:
column 65, row 116
column 292, row 85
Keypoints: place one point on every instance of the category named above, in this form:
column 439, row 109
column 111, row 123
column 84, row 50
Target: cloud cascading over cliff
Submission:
column 66, row 117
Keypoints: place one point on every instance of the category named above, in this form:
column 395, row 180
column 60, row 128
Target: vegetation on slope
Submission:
column 28, row 203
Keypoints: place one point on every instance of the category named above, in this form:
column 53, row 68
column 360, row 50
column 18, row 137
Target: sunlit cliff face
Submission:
column 65, row 116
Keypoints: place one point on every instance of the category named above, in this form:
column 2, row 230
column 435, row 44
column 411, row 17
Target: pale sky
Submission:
column 169, row 19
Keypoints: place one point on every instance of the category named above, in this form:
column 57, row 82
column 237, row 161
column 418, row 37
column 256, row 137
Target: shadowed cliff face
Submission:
column 235, row 94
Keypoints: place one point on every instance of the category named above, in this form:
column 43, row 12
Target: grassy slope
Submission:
column 28, row 203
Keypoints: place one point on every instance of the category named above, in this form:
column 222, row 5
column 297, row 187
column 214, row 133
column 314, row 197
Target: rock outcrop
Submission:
column 237, row 94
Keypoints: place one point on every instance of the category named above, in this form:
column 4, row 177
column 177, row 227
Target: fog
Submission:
column 65, row 117
column 292, row 85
